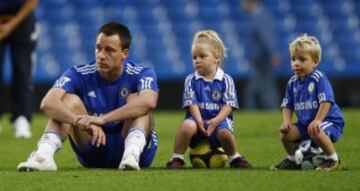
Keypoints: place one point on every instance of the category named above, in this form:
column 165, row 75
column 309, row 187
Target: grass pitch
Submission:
column 257, row 138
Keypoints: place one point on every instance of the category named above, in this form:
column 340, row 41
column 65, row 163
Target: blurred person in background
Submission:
column 18, row 34
column 260, row 89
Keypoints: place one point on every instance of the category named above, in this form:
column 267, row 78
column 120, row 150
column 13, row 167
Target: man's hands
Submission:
column 5, row 29
column 92, row 125
column 84, row 121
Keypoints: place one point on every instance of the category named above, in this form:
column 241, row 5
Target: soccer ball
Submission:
column 309, row 157
column 202, row 156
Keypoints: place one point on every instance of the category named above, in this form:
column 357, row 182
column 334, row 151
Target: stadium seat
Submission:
column 160, row 27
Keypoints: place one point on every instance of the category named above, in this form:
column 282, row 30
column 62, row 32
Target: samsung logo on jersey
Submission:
column 306, row 105
column 209, row 106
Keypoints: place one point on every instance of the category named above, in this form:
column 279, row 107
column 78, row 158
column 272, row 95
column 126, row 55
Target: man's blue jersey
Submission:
column 210, row 96
column 304, row 97
column 100, row 96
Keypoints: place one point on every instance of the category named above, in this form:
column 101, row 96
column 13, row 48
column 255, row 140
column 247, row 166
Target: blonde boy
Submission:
column 309, row 94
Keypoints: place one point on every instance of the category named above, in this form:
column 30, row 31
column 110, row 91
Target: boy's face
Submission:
column 303, row 64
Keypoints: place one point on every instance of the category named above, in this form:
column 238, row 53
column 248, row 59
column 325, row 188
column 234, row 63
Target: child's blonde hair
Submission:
column 213, row 39
column 307, row 44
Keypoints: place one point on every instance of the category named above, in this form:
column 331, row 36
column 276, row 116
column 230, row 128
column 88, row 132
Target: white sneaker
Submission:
column 35, row 162
column 22, row 127
column 129, row 162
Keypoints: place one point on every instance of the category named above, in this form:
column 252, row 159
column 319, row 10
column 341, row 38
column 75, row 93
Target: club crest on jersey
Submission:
column 216, row 95
column 311, row 87
column 230, row 95
column 124, row 92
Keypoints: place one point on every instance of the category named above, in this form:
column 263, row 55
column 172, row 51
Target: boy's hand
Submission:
column 212, row 124
column 314, row 127
column 285, row 127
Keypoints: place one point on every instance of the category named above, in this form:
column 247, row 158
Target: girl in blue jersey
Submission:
column 309, row 94
column 209, row 98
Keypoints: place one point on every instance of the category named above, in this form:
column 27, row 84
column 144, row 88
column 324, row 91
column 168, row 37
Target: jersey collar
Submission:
column 218, row 75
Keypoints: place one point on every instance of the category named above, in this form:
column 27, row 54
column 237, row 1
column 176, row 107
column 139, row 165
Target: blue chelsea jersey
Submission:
column 210, row 96
column 304, row 97
column 100, row 96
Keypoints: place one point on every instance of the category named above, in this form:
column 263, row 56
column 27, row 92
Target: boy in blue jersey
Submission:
column 309, row 94
column 103, row 107
column 209, row 98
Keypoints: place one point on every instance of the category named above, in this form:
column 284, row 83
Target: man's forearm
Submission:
column 135, row 108
column 59, row 112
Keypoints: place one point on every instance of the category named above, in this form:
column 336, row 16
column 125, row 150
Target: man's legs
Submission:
column 2, row 86
column 269, row 98
column 136, row 132
column 251, row 93
column 55, row 132
column 22, row 49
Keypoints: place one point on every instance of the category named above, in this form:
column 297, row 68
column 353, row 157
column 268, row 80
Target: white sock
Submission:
column 179, row 156
column 291, row 157
column 333, row 157
column 135, row 142
column 49, row 143
column 234, row 156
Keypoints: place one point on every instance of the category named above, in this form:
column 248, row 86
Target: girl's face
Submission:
column 303, row 64
column 204, row 60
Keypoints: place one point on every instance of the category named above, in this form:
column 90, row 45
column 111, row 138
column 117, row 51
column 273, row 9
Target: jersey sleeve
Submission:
column 189, row 95
column 147, row 80
column 288, row 101
column 229, row 95
column 324, row 89
column 69, row 81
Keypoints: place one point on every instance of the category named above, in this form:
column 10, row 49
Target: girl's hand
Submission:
column 212, row 124
column 201, row 127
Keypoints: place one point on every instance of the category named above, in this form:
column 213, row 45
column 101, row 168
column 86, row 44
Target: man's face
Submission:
column 109, row 53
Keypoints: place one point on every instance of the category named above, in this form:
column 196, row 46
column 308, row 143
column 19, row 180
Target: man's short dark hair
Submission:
column 119, row 29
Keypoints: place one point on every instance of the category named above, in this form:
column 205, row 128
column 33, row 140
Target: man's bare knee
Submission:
column 74, row 103
column 145, row 122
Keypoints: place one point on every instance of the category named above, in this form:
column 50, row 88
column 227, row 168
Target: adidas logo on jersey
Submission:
column 91, row 94
column 207, row 88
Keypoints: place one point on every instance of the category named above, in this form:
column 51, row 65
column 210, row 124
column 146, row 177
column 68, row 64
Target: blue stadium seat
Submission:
column 160, row 26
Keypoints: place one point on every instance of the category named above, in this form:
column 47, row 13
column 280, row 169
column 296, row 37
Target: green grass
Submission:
column 257, row 139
